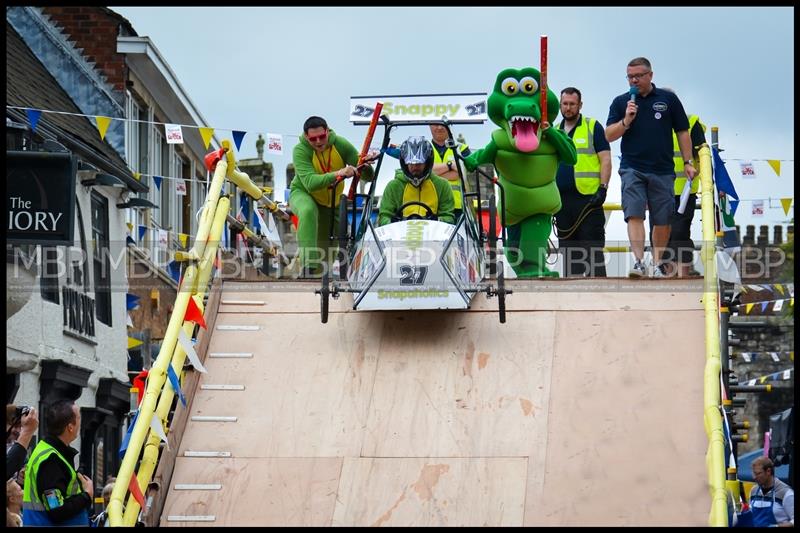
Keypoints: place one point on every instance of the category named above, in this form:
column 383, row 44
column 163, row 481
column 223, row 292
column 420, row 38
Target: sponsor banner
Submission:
column 457, row 108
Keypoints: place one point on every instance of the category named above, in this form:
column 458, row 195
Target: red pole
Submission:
column 543, row 78
column 365, row 147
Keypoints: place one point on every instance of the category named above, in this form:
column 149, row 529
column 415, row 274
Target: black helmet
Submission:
column 416, row 150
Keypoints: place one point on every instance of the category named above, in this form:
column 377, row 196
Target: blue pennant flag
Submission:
column 721, row 177
column 131, row 301
column 245, row 206
column 175, row 270
column 129, row 240
column 127, row 437
column 157, row 181
column 33, row 117
column 237, row 138
column 733, row 204
column 142, row 230
column 176, row 384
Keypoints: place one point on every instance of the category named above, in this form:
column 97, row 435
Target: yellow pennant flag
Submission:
column 138, row 176
column 786, row 203
column 776, row 165
column 779, row 287
column 130, row 226
column 184, row 238
column 747, row 308
column 102, row 125
column 133, row 343
column 206, row 134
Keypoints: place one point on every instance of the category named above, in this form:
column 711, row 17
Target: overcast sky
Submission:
column 734, row 67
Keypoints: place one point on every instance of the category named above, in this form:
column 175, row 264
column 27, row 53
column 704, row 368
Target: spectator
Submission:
column 321, row 159
column 415, row 181
column 101, row 520
column 581, row 221
column 13, row 504
column 55, row 494
column 444, row 163
column 646, row 169
column 771, row 500
column 21, row 426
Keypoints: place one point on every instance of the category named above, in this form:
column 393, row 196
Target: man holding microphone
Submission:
column 644, row 118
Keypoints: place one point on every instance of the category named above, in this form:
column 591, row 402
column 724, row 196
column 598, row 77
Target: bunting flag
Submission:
column 751, row 357
column 748, row 170
column 782, row 375
column 726, row 267
column 776, row 165
column 102, row 125
column 142, row 230
column 206, row 134
column 127, row 436
column 129, row 320
column 748, row 308
column 721, row 177
column 194, row 314
column 33, row 117
column 733, row 205
column 138, row 176
column 183, row 238
column 176, row 384
column 237, row 138
column 730, row 237
column 131, row 301
column 157, row 181
column 765, row 304
column 786, row 203
column 129, row 240
column 175, row 270
column 130, row 226
column 136, row 492
column 187, row 346
column 133, row 343
column 272, row 230
column 158, row 427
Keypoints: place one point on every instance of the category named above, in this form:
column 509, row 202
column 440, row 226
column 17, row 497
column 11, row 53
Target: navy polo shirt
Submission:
column 565, row 178
column 647, row 144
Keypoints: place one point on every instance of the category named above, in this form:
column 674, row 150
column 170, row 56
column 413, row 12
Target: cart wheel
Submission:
column 344, row 240
column 492, row 236
column 325, row 293
column 501, row 293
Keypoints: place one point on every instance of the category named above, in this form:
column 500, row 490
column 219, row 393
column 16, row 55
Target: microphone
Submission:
column 634, row 90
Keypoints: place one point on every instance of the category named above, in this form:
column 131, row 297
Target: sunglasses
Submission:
column 317, row 138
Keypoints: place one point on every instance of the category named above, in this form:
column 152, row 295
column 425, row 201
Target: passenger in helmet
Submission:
column 415, row 181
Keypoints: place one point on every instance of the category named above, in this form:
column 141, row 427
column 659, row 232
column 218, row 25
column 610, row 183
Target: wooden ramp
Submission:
column 584, row 408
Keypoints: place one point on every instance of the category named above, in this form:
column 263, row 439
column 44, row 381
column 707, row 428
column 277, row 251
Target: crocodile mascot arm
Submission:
column 526, row 157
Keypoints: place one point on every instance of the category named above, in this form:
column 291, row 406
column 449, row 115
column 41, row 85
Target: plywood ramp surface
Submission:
column 584, row 408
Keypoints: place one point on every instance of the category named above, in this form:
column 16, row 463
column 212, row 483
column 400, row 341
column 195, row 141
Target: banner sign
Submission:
column 462, row 108
column 40, row 197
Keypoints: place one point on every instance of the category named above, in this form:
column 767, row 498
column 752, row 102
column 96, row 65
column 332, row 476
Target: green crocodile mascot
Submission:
column 526, row 157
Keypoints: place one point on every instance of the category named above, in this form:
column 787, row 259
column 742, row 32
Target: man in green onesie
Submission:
column 321, row 159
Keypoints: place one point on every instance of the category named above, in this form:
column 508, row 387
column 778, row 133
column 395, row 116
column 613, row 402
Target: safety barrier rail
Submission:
column 158, row 396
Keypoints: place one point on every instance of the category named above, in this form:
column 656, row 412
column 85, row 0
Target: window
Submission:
column 48, row 275
column 101, row 257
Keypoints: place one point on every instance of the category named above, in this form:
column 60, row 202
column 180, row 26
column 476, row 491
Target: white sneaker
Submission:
column 659, row 271
column 638, row 270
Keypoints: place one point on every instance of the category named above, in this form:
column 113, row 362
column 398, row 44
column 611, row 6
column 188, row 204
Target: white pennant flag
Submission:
column 272, row 231
column 726, row 268
column 186, row 344
column 275, row 143
column 778, row 305
column 775, row 356
column 129, row 322
column 155, row 424
column 746, row 357
column 751, row 383
column 787, row 373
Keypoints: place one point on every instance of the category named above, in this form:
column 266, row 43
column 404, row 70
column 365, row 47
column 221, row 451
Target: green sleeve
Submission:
column 305, row 172
column 447, row 204
column 350, row 156
column 481, row 156
column 390, row 201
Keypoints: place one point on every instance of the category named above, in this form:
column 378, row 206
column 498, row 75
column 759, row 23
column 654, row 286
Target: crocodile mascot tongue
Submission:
column 526, row 157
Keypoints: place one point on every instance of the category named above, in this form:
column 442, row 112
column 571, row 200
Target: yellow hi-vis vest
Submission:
column 455, row 184
column 323, row 196
column 587, row 169
column 677, row 157
column 425, row 193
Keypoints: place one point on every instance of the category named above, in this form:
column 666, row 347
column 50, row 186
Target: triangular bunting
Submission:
column 733, row 205
column 157, row 181
column 776, row 165
column 158, row 428
column 131, row 301
column 142, row 230
column 136, row 492
column 184, row 238
column 102, row 125
column 130, row 226
column 237, row 138
column 206, row 134
column 721, row 176
column 747, row 308
column 187, row 346
column 176, row 384
column 764, row 306
column 138, row 176
column 133, row 343
column 33, row 117
column 779, row 287
column 194, row 314
column 786, row 203
column 129, row 321
column 778, row 305
column 746, row 357
column 127, row 436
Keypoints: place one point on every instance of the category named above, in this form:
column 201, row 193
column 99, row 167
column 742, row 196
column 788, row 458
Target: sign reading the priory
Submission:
column 40, row 197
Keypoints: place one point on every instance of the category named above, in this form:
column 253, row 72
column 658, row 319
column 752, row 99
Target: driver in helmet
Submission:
column 415, row 181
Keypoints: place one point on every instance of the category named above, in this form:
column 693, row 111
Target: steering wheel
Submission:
column 398, row 215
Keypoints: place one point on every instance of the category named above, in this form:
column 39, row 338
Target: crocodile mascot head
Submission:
column 514, row 105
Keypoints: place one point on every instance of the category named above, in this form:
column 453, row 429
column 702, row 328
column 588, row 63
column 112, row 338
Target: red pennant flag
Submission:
column 193, row 314
column 216, row 261
column 133, row 486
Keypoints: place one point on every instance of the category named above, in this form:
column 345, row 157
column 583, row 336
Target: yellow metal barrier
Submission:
column 158, row 397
